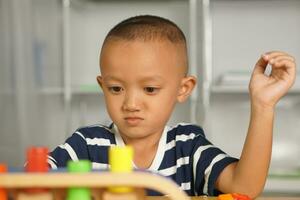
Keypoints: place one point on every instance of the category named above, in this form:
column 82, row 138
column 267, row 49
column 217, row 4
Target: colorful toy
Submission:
column 79, row 193
column 120, row 160
column 79, row 183
column 37, row 159
column 36, row 162
column 3, row 193
column 233, row 196
column 120, row 183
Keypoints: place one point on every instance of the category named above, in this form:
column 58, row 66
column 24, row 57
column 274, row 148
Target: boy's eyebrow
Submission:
column 109, row 78
column 152, row 78
column 143, row 79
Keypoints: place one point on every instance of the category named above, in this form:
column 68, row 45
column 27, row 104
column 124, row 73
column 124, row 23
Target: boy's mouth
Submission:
column 133, row 121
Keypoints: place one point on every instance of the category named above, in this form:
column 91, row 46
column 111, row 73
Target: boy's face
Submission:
column 142, row 81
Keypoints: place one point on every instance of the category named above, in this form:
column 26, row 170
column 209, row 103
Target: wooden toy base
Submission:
column 60, row 194
column 38, row 196
column 57, row 183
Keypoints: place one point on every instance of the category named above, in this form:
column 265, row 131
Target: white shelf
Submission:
column 50, row 90
column 289, row 185
column 86, row 90
column 243, row 89
column 230, row 89
column 76, row 90
column 237, row 82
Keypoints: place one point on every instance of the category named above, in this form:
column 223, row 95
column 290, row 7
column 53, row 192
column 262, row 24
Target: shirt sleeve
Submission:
column 74, row 148
column 208, row 162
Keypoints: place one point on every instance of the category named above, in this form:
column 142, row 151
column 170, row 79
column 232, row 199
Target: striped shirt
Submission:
column 183, row 154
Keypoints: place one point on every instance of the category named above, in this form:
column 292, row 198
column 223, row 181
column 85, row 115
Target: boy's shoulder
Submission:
column 185, row 138
column 96, row 131
column 186, row 130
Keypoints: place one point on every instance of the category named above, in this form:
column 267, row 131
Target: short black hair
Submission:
column 147, row 28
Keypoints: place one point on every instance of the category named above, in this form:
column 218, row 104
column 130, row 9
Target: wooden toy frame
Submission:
column 97, row 181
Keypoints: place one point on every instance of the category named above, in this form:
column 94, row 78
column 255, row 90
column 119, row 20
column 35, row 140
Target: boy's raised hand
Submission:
column 267, row 90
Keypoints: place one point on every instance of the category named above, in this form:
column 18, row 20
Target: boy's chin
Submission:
column 135, row 132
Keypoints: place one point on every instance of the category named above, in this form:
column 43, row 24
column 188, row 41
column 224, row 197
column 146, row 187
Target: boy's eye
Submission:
column 151, row 90
column 115, row 89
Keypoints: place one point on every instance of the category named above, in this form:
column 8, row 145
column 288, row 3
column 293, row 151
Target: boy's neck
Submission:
column 144, row 148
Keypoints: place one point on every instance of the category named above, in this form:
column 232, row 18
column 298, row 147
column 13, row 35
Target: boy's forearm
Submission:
column 252, row 169
column 249, row 174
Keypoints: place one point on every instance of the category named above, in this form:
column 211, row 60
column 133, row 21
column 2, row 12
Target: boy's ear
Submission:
column 186, row 87
column 99, row 80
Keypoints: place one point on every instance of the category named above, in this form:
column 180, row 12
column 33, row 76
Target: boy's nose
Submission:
column 131, row 103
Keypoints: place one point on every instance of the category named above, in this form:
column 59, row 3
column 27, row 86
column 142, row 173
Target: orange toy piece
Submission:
column 225, row 197
column 233, row 196
column 3, row 193
column 36, row 163
column 37, row 159
column 237, row 196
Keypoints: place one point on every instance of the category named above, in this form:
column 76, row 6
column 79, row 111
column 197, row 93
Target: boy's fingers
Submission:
column 280, row 58
column 285, row 63
column 274, row 54
column 275, row 58
column 288, row 66
column 260, row 66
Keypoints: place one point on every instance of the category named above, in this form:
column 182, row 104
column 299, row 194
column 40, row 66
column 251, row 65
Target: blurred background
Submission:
column 49, row 52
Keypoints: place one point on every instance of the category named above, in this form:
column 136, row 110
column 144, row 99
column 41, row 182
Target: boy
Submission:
column 143, row 64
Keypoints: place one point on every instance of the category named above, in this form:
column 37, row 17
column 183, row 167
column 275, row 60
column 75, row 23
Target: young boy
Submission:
column 144, row 67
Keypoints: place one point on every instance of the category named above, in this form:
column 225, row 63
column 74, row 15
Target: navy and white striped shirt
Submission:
column 183, row 154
